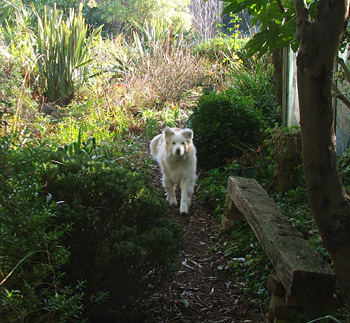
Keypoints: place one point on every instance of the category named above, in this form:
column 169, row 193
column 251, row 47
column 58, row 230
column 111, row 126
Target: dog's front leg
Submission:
column 186, row 196
column 170, row 190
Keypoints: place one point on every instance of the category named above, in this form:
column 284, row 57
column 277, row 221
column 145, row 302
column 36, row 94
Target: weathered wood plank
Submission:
column 300, row 268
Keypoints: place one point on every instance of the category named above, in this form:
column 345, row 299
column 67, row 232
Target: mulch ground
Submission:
column 201, row 289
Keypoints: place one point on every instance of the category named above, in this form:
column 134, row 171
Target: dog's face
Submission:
column 178, row 142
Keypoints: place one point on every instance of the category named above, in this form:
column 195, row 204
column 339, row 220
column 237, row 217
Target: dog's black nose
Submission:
column 178, row 151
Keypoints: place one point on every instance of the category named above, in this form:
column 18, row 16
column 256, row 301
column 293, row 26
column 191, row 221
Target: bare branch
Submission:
column 346, row 70
column 280, row 6
column 338, row 95
column 205, row 16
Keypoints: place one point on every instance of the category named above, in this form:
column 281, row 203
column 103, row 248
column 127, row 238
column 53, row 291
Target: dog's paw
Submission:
column 172, row 201
column 183, row 209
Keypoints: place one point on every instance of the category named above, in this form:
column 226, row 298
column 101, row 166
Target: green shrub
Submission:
column 252, row 77
column 221, row 123
column 31, row 252
column 93, row 230
column 10, row 75
column 218, row 49
column 121, row 241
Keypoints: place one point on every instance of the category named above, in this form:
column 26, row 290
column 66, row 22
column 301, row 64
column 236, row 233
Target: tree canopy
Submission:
column 277, row 22
column 120, row 15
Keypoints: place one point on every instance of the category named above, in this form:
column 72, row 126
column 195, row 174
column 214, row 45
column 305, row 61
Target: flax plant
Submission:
column 62, row 54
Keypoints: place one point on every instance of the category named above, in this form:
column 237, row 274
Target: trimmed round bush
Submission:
column 121, row 242
column 223, row 123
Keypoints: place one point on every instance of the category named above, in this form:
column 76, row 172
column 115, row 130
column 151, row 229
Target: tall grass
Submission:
column 62, row 52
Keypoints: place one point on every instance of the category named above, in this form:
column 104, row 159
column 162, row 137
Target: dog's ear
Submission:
column 187, row 133
column 168, row 132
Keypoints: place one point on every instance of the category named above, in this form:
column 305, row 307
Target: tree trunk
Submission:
column 287, row 156
column 277, row 60
column 329, row 202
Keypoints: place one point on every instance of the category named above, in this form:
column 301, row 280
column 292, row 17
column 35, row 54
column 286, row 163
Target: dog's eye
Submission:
column 174, row 143
column 183, row 143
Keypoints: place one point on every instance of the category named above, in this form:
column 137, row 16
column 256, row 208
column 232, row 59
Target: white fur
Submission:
column 176, row 155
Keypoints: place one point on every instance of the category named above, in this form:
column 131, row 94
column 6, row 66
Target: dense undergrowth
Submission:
column 76, row 232
column 81, row 227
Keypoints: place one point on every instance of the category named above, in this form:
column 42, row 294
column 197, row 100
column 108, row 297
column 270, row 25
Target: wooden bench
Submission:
column 305, row 279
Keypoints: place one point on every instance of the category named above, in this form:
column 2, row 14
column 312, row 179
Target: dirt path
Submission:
column 201, row 290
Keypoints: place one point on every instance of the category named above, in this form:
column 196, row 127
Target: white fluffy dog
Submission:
column 175, row 153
